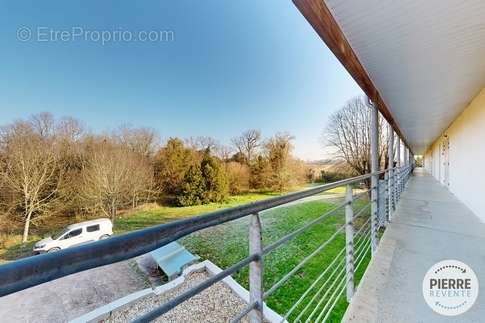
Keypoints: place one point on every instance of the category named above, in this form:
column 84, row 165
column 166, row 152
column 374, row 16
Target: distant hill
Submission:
column 329, row 164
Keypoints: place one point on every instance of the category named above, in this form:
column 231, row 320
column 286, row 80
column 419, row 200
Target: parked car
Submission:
column 76, row 234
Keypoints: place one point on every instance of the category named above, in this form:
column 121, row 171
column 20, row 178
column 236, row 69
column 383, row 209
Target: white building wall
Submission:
column 466, row 157
column 428, row 162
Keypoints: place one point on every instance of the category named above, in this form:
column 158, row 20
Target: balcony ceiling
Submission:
column 426, row 58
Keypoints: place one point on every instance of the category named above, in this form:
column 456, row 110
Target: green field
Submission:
column 226, row 244
column 11, row 247
column 154, row 214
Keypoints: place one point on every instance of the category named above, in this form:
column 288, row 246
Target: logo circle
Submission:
column 450, row 287
column 24, row 34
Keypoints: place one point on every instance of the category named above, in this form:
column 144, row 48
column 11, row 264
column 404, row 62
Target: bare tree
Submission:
column 111, row 178
column 143, row 141
column 278, row 150
column 70, row 129
column 348, row 134
column 202, row 143
column 248, row 143
column 141, row 182
column 32, row 171
column 224, row 152
column 238, row 177
column 43, row 124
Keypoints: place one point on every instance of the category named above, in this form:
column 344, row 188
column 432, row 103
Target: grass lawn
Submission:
column 150, row 215
column 228, row 243
column 12, row 248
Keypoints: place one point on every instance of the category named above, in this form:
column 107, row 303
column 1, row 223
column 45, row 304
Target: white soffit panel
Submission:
column 426, row 58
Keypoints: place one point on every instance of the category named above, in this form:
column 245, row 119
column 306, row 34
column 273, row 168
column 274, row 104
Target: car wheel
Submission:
column 53, row 249
column 104, row 236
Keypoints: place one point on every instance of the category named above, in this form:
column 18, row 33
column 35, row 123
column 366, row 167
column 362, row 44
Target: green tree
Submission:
column 278, row 149
column 171, row 164
column 260, row 173
column 204, row 183
column 216, row 185
column 192, row 189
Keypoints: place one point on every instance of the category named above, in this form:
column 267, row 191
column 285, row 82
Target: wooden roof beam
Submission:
column 321, row 19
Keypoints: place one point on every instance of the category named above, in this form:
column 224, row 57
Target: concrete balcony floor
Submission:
column 429, row 225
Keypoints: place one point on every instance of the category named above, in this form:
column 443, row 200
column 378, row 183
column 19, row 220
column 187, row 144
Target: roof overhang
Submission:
column 421, row 62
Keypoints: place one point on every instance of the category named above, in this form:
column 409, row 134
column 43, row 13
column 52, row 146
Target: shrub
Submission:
column 215, row 180
column 238, row 177
column 192, row 189
column 203, row 183
column 260, row 174
column 332, row 176
column 171, row 164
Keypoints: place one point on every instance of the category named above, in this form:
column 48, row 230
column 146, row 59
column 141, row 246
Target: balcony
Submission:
column 359, row 217
column 429, row 225
column 421, row 64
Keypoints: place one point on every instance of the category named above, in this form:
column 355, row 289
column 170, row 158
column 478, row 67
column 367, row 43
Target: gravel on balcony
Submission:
column 218, row 303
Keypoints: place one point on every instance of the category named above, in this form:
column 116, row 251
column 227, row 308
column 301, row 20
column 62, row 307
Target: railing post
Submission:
column 400, row 182
column 395, row 173
column 391, row 183
column 386, row 199
column 403, row 181
column 405, row 178
column 256, row 269
column 406, row 162
column 349, row 242
column 399, row 174
column 374, row 144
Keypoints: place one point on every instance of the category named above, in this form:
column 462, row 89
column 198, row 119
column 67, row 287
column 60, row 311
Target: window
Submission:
column 73, row 233
column 59, row 234
column 92, row 228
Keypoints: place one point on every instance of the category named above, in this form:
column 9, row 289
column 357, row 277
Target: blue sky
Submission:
column 232, row 65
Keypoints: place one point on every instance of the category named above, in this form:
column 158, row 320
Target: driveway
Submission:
column 71, row 296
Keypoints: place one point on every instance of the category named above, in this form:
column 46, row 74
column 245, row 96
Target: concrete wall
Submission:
column 466, row 156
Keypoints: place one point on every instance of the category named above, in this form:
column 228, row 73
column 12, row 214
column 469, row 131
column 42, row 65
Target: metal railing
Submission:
column 316, row 302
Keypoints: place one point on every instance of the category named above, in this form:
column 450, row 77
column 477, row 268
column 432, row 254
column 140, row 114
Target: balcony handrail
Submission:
column 35, row 270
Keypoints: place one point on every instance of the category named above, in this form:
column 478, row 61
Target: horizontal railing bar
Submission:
column 340, row 277
column 329, row 310
column 317, row 294
column 303, row 262
column 359, row 242
column 209, row 282
column 361, row 210
column 361, row 256
column 361, row 251
column 357, row 197
column 358, row 251
column 31, row 271
column 315, row 282
column 362, row 227
column 293, row 234
column 164, row 308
